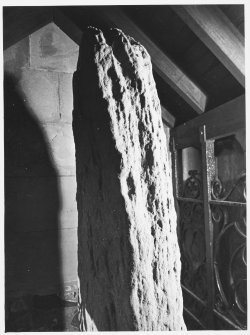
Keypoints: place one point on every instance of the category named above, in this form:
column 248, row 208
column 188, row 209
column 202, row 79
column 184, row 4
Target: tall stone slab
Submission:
column 128, row 255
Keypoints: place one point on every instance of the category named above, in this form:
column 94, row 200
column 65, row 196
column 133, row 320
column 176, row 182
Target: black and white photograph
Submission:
column 124, row 166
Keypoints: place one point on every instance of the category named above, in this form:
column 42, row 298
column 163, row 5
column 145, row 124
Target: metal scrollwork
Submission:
column 219, row 193
column 192, row 243
column 219, row 214
column 186, row 212
column 192, row 186
column 217, row 189
column 230, row 264
column 219, row 303
column 219, row 258
column 198, row 309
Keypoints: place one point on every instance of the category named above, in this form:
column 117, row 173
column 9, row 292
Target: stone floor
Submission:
column 41, row 313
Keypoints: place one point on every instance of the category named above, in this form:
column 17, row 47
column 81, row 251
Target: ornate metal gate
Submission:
column 211, row 208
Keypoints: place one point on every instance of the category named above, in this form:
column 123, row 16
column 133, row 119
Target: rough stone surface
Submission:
column 128, row 254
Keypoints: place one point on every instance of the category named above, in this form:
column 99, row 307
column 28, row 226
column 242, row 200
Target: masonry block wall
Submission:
column 40, row 185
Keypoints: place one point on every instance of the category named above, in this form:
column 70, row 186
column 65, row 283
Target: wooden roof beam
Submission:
column 163, row 65
column 67, row 26
column 75, row 33
column 218, row 33
column 20, row 22
column 223, row 120
column 167, row 117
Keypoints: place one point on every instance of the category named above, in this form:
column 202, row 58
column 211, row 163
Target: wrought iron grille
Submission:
column 211, row 211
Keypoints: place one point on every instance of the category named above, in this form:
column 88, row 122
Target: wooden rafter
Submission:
column 224, row 119
column 163, row 65
column 25, row 20
column 67, row 26
column 219, row 34
column 20, row 22
column 167, row 117
column 75, row 33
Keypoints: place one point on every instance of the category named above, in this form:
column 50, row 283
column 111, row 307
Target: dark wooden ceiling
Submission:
column 175, row 39
column 211, row 72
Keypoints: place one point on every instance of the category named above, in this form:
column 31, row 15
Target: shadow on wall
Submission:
column 32, row 262
column 105, row 257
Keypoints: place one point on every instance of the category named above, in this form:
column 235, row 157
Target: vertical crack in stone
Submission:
column 129, row 260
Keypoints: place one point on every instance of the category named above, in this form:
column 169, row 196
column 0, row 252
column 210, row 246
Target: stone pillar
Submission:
column 129, row 261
